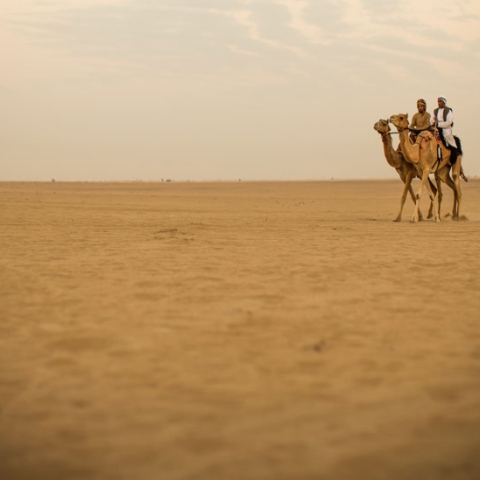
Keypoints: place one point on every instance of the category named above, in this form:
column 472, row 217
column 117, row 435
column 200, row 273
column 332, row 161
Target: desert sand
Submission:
column 237, row 331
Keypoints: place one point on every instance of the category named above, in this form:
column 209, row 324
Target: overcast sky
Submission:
column 226, row 89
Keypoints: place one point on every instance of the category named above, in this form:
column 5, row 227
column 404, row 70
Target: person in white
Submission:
column 442, row 119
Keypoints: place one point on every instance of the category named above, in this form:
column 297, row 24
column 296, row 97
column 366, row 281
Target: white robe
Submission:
column 446, row 126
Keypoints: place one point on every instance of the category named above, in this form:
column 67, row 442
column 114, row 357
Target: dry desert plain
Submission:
column 237, row 331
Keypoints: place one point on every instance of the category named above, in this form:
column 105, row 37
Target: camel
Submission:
column 406, row 171
column 424, row 157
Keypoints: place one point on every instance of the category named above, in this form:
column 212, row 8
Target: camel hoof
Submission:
column 398, row 220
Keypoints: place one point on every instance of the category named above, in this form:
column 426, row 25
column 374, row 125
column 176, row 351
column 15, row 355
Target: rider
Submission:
column 443, row 120
column 420, row 123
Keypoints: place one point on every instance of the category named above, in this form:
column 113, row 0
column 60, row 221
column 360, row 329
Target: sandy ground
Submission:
column 237, row 331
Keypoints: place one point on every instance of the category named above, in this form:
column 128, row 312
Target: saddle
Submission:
column 454, row 152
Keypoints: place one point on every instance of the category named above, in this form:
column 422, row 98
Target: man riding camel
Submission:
column 442, row 120
column 420, row 124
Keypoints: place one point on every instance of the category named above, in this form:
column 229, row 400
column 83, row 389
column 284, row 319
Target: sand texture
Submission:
column 237, row 331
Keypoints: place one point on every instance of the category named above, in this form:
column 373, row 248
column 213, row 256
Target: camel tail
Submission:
column 459, row 145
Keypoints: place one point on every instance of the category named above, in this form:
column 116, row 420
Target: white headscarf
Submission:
column 441, row 97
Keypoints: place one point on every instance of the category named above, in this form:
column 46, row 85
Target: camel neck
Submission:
column 390, row 154
column 409, row 151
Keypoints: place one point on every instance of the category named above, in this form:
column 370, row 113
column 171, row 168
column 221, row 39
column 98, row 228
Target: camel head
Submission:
column 382, row 127
column 400, row 121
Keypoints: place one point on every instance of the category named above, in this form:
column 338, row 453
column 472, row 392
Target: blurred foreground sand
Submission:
column 237, row 331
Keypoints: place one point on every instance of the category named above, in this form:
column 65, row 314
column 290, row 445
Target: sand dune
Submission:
column 247, row 330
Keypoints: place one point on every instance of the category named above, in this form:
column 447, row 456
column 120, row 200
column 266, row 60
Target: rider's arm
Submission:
column 414, row 121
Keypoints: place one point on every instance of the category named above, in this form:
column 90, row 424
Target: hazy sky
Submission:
column 226, row 89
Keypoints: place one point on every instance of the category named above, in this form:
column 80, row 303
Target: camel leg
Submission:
column 412, row 194
column 417, row 201
column 434, row 190
column 456, row 172
column 407, row 188
column 450, row 183
column 424, row 182
column 440, row 193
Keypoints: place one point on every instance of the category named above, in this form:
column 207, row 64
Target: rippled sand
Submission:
column 237, row 331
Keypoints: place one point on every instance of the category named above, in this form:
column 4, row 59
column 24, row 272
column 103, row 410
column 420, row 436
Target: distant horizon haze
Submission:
column 207, row 90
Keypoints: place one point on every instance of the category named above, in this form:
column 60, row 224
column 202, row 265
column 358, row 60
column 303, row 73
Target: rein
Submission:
column 418, row 129
column 386, row 134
